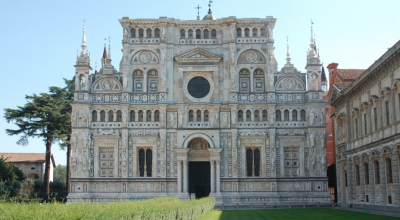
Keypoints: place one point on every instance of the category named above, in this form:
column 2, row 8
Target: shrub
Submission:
column 160, row 208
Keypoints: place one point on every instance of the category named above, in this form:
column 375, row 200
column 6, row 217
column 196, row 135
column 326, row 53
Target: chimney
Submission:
column 332, row 66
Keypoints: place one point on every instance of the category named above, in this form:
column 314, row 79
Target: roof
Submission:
column 27, row 157
column 342, row 85
column 349, row 74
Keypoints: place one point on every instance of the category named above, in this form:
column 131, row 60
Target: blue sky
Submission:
column 39, row 39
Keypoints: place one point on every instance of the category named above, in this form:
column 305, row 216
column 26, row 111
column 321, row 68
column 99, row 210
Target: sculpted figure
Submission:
column 232, row 32
column 233, row 58
column 323, row 162
column 216, row 118
column 163, row 32
column 233, row 118
column 180, row 118
column 84, row 120
column 269, row 33
column 162, row 118
column 225, row 120
column 273, row 160
column 311, row 141
column 322, row 139
column 312, row 116
column 171, row 119
column 312, row 162
column 271, row 116
column 271, row 81
column 125, row 81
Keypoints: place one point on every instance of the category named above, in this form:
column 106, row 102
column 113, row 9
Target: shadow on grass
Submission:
column 295, row 214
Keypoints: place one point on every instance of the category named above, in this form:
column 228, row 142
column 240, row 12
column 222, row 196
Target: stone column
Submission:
column 152, row 33
column 258, row 32
column 212, row 176
column 252, row 115
column 179, row 176
column 218, row 176
column 152, row 115
column 145, row 81
column 144, row 32
column 242, row 32
column 107, row 116
column 98, row 116
column 115, row 115
column 251, row 82
column 144, row 115
column 136, row 115
column 290, row 115
column 137, row 32
column 298, row 115
column 185, row 176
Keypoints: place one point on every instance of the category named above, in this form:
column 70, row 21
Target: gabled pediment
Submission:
column 334, row 94
column 198, row 55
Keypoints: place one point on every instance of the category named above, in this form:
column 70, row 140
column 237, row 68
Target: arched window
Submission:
column 213, row 34
column 357, row 174
column 157, row 115
column 140, row 115
column 133, row 115
column 376, row 172
column 32, row 176
column 102, row 116
column 294, row 115
column 387, row 113
column 264, row 115
column 366, row 173
column 286, row 115
column 240, row 115
column 239, row 32
column 198, row 34
column 206, row 115
column 138, row 81
column 157, row 33
column 148, row 115
column 141, row 31
column 94, row 116
column 191, row 115
column 119, row 116
column 198, row 115
column 145, row 160
column 258, row 80
column 256, row 115
column 389, row 176
column 190, row 35
column 255, row 32
column 302, row 115
column 133, row 33
column 111, row 115
column 263, row 33
column 278, row 115
column 248, row 115
column 149, row 32
column 152, row 81
column 253, row 162
column 246, row 32
column 244, row 80
column 183, row 33
column 206, row 34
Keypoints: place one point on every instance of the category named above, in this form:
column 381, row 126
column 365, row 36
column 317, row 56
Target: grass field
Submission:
column 287, row 214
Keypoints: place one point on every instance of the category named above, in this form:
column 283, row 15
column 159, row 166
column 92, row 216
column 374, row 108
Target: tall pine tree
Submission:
column 45, row 117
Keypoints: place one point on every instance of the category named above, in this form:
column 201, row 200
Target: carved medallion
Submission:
column 251, row 56
column 289, row 83
column 145, row 57
column 107, row 84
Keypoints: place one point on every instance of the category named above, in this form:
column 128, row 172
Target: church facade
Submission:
column 198, row 108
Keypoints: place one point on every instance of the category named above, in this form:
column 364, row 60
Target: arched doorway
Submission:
column 199, row 167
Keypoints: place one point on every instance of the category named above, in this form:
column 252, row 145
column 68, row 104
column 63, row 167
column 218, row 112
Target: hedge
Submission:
column 159, row 208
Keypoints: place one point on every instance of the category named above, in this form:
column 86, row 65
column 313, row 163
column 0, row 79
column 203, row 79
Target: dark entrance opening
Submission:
column 199, row 179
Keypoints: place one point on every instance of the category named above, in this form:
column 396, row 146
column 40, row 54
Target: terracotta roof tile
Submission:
column 349, row 74
column 26, row 157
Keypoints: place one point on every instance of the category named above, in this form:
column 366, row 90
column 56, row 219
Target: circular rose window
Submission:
column 198, row 87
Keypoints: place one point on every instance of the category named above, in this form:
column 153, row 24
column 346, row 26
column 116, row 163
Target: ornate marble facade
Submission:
column 367, row 125
column 199, row 91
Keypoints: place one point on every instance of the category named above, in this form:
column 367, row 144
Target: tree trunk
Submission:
column 68, row 159
column 47, row 169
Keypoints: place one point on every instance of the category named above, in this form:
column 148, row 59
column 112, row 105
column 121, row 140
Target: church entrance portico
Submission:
column 198, row 166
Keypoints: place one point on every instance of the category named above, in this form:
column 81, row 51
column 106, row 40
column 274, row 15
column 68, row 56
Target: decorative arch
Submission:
column 107, row 84
column 145, row 57
column 251, row 56
column 198, row 135
column 290, row 83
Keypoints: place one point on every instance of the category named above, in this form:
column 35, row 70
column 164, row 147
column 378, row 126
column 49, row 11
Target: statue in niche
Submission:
column 232, row 58
column 273, row 160
column 125, row 33
column 73, row 119
column 125, row 81
column 162, row 58
column 232, row 28
column 322, row 118
column 171, row 119
column 312, row 116
column 271, row 116
column 225, row 120
column 180, row 118
column 311, row 163
column 216, row 118
column 269, row 33
column 322, row 139
column 311, row 140
column 163, row 32
column 233, row 118
column 324, row 162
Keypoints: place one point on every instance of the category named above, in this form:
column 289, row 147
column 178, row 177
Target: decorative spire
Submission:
column 313, row 52
column 109, row 47
column 198, row 12
column 209, row 7
column 83, row 41
column 312, row 33
column 287, row 54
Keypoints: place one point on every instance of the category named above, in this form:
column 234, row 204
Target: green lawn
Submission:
column 297, row 214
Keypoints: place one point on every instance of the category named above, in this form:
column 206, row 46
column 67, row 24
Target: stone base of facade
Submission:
column 372, row 206
column 222, row 199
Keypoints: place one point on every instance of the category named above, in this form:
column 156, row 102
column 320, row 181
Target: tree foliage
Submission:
column 43, row 116
column 9, row 172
